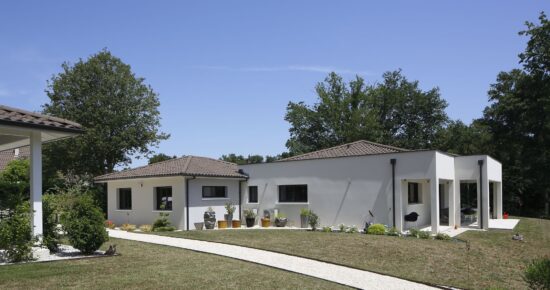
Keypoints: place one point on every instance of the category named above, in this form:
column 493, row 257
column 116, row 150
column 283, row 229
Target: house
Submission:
column 7, row 156
column 20, row 128
column 351, row 184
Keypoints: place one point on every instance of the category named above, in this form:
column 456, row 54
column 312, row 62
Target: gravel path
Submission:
column 339, row 274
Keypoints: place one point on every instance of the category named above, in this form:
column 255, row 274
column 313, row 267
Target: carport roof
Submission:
column 18, row 117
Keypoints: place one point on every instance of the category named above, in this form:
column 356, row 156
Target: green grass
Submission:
column 146, row 266
column 494, row 259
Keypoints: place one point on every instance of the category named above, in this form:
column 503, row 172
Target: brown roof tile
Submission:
column 183, row 166
column 357, row 148
column 13, row 116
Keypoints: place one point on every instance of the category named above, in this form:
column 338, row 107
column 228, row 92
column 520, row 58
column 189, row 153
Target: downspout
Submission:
column 393, row 161
column 480, row 163
column 187, row 201
column 240, row 200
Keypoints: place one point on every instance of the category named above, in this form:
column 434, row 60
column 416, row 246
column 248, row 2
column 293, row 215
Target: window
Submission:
column 414, row 193
column 293, row 193
column 163, row 198
column 125, row 198
column 252, row 194
column 214, row 192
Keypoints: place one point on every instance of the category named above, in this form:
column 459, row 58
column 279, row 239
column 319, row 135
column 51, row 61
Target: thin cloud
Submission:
column 299, row 68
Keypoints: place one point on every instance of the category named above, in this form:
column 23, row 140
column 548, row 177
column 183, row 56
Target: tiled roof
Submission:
column 9, row 155
column 184, row 166
column 357, row 148
column 18, row 117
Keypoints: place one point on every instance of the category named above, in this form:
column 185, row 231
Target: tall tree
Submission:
column 239, row 159
column 395, row 112
column 518, row 119
column 160, row 157
column 118, row 110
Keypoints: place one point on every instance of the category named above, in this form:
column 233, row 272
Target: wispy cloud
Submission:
column 302, row 68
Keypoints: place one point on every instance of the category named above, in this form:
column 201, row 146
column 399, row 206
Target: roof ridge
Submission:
column 187, row 162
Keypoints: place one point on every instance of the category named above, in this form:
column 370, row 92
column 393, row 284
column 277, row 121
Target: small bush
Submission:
column 110, row 224
column 165, row 229
column 413, row 233
column 537, row 274
column 327, row 229
column 313, row 220
column 376, row 229
column 424, row 235
column 304, row 211
column 342, row 228
column 352, row 230
column 146, row 228
column 84, row 224
column 128, row 227
column 51, row 235
column 443, row 237
column 16, row 234
column 162, row 221
column 393, row 232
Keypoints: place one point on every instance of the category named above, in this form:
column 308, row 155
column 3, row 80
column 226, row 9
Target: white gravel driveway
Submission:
column 339, row 274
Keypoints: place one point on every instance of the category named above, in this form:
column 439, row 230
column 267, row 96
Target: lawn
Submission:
column 494, row 259
column 147, row 266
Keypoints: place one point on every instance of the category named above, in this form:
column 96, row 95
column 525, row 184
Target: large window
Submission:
column 414, row 193
column 163, row 198
column 252, row 194
column 124, row 198
column 293, row 193
column 214, row 192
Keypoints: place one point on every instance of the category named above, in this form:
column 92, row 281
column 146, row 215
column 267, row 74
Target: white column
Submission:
column 399, row 214
column 36, row 183
column 498, row 199
column 486, row 204
column 452, row 202
column 434, row 205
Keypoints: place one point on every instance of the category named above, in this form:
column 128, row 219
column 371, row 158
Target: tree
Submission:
column 117, row 109
column 395, row 112
column 462, row 139
column 518, row 120
column 160, row 157
column 239, row 159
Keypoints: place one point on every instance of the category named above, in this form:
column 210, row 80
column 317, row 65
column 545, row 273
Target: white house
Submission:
column 351, row 184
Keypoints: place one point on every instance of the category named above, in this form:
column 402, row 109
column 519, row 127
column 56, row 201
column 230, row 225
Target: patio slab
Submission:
column 503, row 224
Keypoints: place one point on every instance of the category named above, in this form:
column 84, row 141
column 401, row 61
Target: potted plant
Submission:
column 250, row 217
column 266, row 220
column 235, row 224
column 280, row 220
column 304, row 218
column 222, row 224
column 199, row 226
column 230, row 208
column 313, row 220
column 209, row 218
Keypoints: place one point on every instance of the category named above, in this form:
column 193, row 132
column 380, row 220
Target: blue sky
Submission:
column 225, row 70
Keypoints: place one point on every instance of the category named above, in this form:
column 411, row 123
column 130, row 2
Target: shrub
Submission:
column 393, row 232
column 50, row 209
column 376, row 229
column 146, row 228
column 352, row 230
column 304, row 211
column 443, row 237
column 249, row 214
column 162, row 221
column 110, row 224
column 413, row 233
column 342, row 228
column 313, row 220
column 16, row 234
column 83, row 223
column 327, row 229
column 165, row 229
column 537, row 274
column 230, row 207
column 424, row 235
column 128, row 227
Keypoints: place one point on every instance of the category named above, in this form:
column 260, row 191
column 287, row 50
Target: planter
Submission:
column 280, row 222
column 199, row 226
column 304, row 221
column 222, row 224
column 236, row 224
column 209, row 220
column 250, row 222
column 228, row 218
column 505, row 216
column 266, row 223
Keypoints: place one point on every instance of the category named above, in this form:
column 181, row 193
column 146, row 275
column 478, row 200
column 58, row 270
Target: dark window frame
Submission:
column 169, row 198
column 414, row 194
column 214, row 194
column 127, row 201
column 251, row 194
column 290, row 193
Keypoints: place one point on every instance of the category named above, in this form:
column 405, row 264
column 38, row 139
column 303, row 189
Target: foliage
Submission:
column 342, row 228
column 424, row 235
column 537, row 274
column 146, row 228
column 14, row 184
column 110, row 224
column 313, row 220
column 230, row 207
column 304, row 211
column 394, row 112
column 84, row 224
column 352, row 230
column 165, row 229
column 118, row 110
column 239, row 159
column 160, row 157
column 326, row 229
column 50, row 213
column 249, row 214
column 16, row 234
column 280, row 215
column 393, row 232
column 376, row 229
column 161, row 222
column 442, row 236
column 128, row 227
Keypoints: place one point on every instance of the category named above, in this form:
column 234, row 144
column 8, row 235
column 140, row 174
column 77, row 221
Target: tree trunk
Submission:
column 547, row 204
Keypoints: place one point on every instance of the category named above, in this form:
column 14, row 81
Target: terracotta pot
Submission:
column 222, row 224
column 266, row 223
column 236, row 224
column 505, row 215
